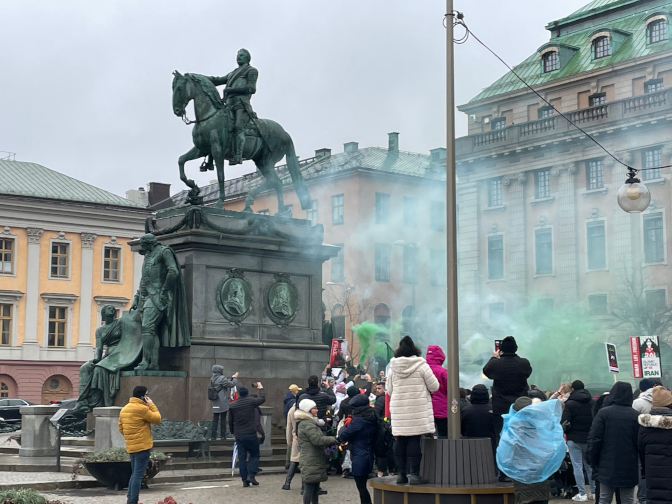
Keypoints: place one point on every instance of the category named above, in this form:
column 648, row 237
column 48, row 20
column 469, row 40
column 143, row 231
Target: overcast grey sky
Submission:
column 85, row 87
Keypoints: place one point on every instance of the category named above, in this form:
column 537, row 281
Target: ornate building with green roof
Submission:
column 538, row 217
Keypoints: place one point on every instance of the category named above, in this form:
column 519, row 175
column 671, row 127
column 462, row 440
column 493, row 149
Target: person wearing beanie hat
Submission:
column 655, row 447
column 477, row 420
column 410, row 384
column 243, row 426
column 222, row 387
column 644, row 402
column 324, row 398
column 612, row 445
column 135, row 421
column 509, row 374
column 360, row 434
column 577, row 418
column 313, row 463
column 345, row 409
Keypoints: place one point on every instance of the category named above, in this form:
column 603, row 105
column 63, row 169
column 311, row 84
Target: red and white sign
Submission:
column 636, row 359
column 645, row 352
column 339, row 352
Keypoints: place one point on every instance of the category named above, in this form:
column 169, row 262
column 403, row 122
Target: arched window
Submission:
column 381, row 315
column 336, row 310
column 601, row 47
column 407, row 319
column 657, row 31
column 551, row 61
column 4, row 389
column 56, row 388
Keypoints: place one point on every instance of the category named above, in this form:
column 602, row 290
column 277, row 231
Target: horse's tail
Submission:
column 297, row 178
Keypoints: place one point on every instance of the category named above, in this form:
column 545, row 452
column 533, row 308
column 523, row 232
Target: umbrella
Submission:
column 235, row 455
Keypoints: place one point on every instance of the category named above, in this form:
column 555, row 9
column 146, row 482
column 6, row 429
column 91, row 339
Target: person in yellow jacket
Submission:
column 134, row 424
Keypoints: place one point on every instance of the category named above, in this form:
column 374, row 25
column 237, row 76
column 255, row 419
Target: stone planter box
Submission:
column 115, row 475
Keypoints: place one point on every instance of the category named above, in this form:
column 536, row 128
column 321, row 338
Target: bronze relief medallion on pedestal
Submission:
column 281, row 300
column 234, row 296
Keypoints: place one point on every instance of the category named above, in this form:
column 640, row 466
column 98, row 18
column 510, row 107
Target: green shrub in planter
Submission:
column 22, row 496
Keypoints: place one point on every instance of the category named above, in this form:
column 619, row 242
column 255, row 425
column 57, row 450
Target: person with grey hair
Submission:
column 220, row 406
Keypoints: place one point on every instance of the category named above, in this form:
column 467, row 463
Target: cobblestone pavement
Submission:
column 12, row 477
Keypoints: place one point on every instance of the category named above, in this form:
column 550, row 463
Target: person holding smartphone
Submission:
column 135, row 421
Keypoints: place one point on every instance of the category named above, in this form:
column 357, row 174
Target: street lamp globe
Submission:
column 633, row 196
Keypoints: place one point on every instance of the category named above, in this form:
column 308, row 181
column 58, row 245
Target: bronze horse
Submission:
column 213, row 139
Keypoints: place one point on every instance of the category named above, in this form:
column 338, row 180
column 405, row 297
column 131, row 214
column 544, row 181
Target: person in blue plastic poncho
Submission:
column 531, row 448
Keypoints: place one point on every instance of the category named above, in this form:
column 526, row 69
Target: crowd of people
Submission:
column 616, row 444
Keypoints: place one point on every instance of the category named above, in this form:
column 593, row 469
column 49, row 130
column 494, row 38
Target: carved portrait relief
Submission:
column 234, row 297
column 281, row 300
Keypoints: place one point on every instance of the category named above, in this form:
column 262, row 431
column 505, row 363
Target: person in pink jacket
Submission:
column 435, row 358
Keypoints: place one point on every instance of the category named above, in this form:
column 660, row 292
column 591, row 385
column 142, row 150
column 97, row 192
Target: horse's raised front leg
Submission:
column 194, row 153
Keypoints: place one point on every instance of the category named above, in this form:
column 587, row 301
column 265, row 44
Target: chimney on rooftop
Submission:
column 138, row 196
column 393, row 144
column 158, row 191
column 323, row 153
column 350, row 147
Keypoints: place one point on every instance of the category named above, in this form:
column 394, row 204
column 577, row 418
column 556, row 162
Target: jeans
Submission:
column 607, row 494
column 139, row 461
column 248, row 444
column 310, row 495
column 641, row 486
column 441, row 427
column 221, row 417
column 364, row 496
column 578, row 453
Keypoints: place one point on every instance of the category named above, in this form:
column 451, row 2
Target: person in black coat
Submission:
column 477, row 419
column 655, row 447
column 509, row 374
column 360, row 434
column 612, row 445
column 322, row 399
column 577, row 418
column 290, row 398
column 346, row 409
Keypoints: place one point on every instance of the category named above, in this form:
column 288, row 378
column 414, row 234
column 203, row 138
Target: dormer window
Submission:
column 601, row 47
column 657, row 31
column 551, row 61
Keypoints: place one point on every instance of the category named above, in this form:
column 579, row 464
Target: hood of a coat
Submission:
column 406, row 366
column 435, row 355
column 647, row 396
column 289, row 397
column 302, row 415
column 312, row 390
column 659, row 418
column 217, row 369
column 581, row 396
column 479, row 395
column 621, row 394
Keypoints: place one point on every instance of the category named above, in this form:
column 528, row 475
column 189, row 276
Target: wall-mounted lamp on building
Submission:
column 633, row 196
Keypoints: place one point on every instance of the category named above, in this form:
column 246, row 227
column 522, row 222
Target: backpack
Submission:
column 213, row 395
column 383, row 439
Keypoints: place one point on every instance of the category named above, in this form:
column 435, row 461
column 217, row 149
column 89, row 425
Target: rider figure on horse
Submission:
column 241, row 84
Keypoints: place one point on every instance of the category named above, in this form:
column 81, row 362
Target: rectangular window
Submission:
column 494, row 192
column 410, row 211
column 651, row 159
column 597, row 304
column 597, row 99
column 545, row 112
column 654, row 247
column 437, row 215
column 594, row 174
column 437, row 264
column 597, row 252
column 57, row 326
column 382, row 262
column 410, row 264
column 382, row 207
column 544, row 251
column 542, row 184
column 498, row 123
column 495, row 257
column 653, row 86
column 112, row 264
column 655, row 299
column 495, row 310
column 551, row 61
column 657, row 31
column 6, row 256
column 337, row 209
column 601, row 47
column 311, row 213
column 59, row 260
column 5, row 324
column 337, row 269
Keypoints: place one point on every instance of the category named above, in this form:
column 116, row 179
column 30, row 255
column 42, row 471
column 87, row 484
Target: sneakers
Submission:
column 591, row 496
column 580, row 498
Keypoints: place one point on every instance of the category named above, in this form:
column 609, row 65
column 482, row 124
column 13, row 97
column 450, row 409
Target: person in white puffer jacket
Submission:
column 643, row 403
column 410, row 384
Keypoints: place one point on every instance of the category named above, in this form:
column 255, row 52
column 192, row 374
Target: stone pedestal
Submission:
column 107, row 429
column 275, row 343
column 168, row 390
column 265, row 449
column 38, row 437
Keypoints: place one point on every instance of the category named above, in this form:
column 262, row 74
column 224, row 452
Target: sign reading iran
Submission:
column 645, row 353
